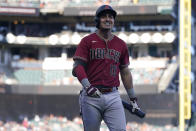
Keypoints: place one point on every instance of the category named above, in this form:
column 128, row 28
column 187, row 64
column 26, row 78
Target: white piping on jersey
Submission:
column 110, row 38
column 106, row 41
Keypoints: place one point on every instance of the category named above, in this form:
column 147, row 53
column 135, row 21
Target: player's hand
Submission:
column 133, row 102
column 93, row 92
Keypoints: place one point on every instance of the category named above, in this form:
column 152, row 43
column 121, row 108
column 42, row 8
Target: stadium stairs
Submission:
column 167, row 76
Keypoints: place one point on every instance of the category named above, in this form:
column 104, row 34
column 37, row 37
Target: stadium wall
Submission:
column 160, row 109
column 68, row 89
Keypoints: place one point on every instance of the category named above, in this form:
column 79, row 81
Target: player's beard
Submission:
column 104, row 27
column 105, row 30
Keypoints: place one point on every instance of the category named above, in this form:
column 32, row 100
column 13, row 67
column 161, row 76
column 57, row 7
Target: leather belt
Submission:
column 106, row 89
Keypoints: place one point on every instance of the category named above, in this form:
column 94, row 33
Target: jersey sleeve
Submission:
column 82, row 52
column 124, row 58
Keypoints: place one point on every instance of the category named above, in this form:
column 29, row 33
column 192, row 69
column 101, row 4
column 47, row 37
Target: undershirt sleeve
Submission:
column 80, row 72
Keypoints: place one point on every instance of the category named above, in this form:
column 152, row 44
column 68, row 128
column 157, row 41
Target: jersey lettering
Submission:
column 99, row 53
column 92, row 54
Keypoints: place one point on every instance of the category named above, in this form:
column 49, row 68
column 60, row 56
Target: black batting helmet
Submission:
column 103, row 9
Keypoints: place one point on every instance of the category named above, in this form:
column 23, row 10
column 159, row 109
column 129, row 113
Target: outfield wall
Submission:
column 160, row 109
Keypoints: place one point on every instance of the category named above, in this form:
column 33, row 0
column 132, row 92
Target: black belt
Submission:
column 106, row 89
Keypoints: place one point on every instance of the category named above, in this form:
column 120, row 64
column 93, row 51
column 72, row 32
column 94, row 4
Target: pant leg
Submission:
column 114, row 115
column 91, row 114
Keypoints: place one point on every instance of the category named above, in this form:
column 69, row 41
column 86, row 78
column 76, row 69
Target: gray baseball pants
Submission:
column 108, row 108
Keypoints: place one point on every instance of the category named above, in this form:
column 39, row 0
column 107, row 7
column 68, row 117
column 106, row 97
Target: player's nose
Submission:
column 108, row 16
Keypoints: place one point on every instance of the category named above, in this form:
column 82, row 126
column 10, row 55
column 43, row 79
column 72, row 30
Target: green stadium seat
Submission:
column 28, row 77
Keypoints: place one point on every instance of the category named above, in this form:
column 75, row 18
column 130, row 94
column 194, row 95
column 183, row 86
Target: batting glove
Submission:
column 93, row 92
column 133, row 102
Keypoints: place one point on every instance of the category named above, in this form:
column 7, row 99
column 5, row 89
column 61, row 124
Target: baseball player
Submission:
column 98, row 60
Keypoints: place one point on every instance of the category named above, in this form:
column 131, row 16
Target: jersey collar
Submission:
column 111, row 37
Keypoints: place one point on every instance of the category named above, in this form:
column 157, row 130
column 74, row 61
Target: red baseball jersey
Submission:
column 104, row 59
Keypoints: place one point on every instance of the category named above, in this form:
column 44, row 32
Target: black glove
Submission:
column 133, row 102
column 93, row 92
column 137, row 112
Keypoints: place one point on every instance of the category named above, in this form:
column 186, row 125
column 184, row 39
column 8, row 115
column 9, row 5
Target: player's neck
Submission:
column 105, row 34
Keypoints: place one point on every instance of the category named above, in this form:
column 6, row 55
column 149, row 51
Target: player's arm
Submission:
column 127, row 80
column 78, row 71
column 79, row 65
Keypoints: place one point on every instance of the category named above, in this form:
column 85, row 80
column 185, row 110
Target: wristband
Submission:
column 131, row 93
column 85, row 83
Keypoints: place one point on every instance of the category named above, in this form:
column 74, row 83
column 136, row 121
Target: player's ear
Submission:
column 97, row 22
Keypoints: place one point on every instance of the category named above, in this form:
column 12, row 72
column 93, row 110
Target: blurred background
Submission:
column 38, row 39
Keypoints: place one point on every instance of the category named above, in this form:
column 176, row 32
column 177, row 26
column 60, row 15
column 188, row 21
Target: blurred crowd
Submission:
column 67, row 3
column 60, row 123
